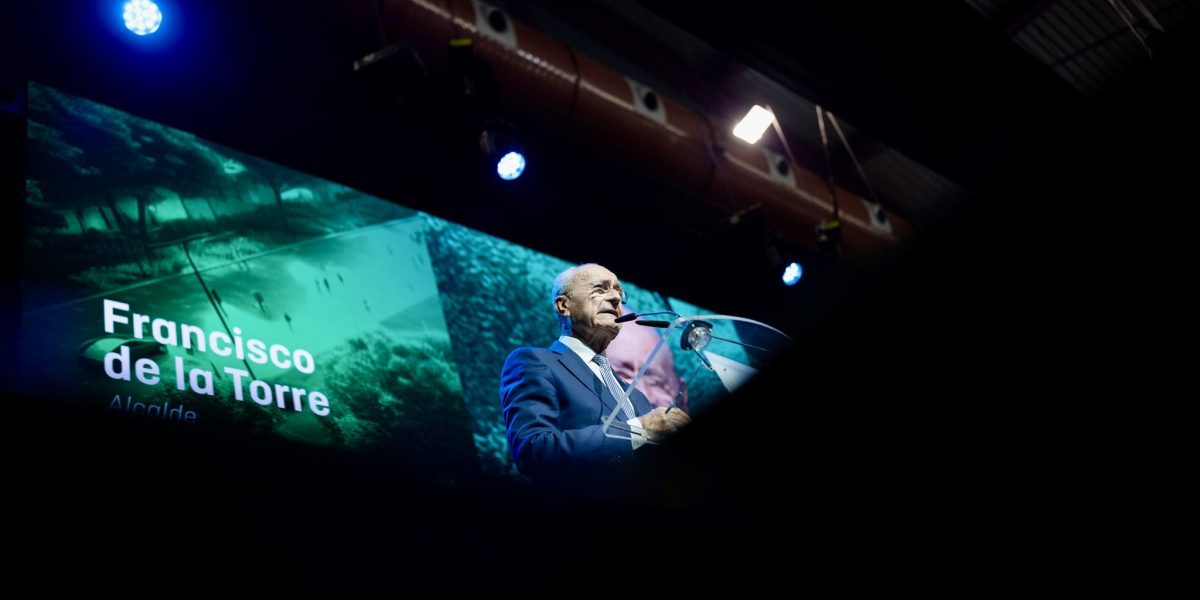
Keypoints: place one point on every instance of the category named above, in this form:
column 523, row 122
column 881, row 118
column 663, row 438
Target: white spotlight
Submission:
column 754, row 124
column 142, row 17
column 510, row 166
column 792, row 274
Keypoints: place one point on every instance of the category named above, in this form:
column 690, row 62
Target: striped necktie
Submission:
column 614, row 387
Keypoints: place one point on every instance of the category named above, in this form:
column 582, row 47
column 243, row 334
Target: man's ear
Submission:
column 560, row 306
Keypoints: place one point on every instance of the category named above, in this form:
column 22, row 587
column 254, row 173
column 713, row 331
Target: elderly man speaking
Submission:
column 554, row 400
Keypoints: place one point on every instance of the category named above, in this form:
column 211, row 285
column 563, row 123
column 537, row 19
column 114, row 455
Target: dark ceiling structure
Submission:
column 1031, row 143
column 935, row 102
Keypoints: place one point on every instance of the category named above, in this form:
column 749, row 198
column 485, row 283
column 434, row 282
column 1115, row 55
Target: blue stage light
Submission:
column 142, row 17
column 511, row 166
column 792, row 274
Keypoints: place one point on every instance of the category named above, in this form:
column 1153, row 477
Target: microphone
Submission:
column 625, row 318
column 649, row 323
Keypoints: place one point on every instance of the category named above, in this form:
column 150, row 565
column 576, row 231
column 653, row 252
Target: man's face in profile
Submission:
column 628, row 352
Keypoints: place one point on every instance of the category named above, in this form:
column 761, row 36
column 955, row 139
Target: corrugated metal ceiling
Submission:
column 1089, row 43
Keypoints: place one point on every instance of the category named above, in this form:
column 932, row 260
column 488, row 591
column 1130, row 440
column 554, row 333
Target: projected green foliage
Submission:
column 377, row 376
column 498, row 293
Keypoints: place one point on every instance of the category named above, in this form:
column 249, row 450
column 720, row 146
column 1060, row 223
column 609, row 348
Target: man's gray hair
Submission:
column 560, row 283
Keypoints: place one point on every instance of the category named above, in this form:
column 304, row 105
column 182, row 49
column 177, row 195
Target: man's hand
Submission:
column 658, row 423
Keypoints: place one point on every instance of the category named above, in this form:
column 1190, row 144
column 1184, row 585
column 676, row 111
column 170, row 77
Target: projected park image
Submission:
column 166, row 277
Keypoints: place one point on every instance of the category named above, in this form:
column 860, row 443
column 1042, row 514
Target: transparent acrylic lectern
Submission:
column 697, row 361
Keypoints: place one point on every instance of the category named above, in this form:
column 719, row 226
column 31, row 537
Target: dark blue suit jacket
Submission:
column 553, row 407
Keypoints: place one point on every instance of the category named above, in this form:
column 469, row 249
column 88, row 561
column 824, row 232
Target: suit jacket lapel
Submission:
column 576, row 367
